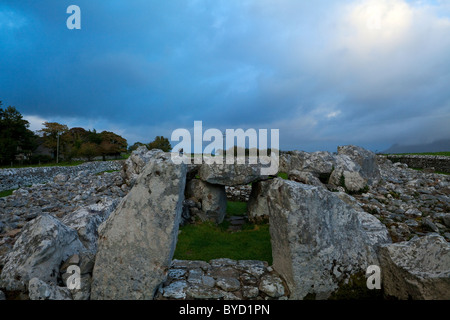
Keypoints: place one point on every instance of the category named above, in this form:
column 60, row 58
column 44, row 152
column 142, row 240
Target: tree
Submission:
column 111, row 144
column 51, row 132
column 15, row 137
column 89, row 150
column 160, row 143
column 72, row 141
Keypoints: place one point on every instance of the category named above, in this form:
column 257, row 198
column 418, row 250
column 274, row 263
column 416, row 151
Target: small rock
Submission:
column 272, row 286
column 228, row 284
column 40, row 290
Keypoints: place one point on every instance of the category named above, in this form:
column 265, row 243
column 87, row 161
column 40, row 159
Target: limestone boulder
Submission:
column 137, row 241
column 417, row 269
column 135, row 164
column 213, row 198
column 317, row 239
column 39, row 251
column 40, row 290
column 231, row 174
column 366, row 159
column 87, row 220
column 347, row 174
column 257, row 206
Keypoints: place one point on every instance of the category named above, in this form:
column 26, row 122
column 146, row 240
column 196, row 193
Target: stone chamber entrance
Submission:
column 222, row 253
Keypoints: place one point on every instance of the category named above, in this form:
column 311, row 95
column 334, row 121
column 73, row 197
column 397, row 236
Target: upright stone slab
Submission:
column 317, row 239
column 137, row 242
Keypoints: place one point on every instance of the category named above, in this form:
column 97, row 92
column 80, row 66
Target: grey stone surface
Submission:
column 39, row 251
column 417, row 269
column 40, row 290
column 212, row 199
column 313, row 232
column 137, row 241
column 231, row 174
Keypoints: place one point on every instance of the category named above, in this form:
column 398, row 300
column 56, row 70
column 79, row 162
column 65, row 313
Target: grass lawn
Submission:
column 207, row 241
column 236, row 208
column 6, row 193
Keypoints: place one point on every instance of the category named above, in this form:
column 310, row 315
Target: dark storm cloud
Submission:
column 366, row 72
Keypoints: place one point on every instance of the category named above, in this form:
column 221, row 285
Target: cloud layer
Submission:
column 370, row 72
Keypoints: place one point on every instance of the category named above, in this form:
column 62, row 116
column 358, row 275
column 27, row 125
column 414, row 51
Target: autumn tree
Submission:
column 89, row 150
column 111, row 144
column 51, row 132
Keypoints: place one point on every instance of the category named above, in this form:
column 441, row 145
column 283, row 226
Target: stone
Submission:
column 257, row 207
column 428, row 223
column 446, row 220
column 39, row 251
column 367, row 161
column 347, row 173
column 137, row 161
column 87, row 220
column 175, row 290
column 213, row 198
column 231, row 174
column 318, row 163
column 312, row 232
column 137, row 241
column 272, row 286
column 417, row 269
column 40, row 290
column 250, row 292
column 2, row 296
column 305, row 177
column 228, row 284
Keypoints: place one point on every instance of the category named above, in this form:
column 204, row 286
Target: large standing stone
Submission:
column 213, row 198
column 41, row 248
column 417, row 269
column 258, row 209
column 317, row 239
column 137, row 242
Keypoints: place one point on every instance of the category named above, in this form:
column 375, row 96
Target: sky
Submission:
column 325, row 73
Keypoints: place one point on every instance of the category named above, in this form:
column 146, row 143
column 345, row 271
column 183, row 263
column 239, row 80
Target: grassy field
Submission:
column 206, row 241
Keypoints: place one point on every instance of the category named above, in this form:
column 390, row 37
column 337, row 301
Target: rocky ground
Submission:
column 222, row 279
column 409, row 202
column 59, row 198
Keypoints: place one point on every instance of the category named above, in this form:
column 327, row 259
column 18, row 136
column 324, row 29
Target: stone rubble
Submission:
column 222, row 279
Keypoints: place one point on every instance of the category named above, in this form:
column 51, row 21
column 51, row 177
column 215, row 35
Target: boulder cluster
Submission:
column 335, row 215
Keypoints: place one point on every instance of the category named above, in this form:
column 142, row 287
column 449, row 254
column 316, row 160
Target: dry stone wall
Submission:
column 22, row 177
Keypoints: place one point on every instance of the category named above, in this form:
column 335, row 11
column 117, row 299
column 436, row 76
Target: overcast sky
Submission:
column 325, row 73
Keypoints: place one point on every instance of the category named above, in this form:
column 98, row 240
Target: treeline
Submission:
column 55, row 141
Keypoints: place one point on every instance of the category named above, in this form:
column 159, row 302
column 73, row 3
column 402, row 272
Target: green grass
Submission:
column 283, row 175
column 207, row 241
column 236, row 208
column 6, row 193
